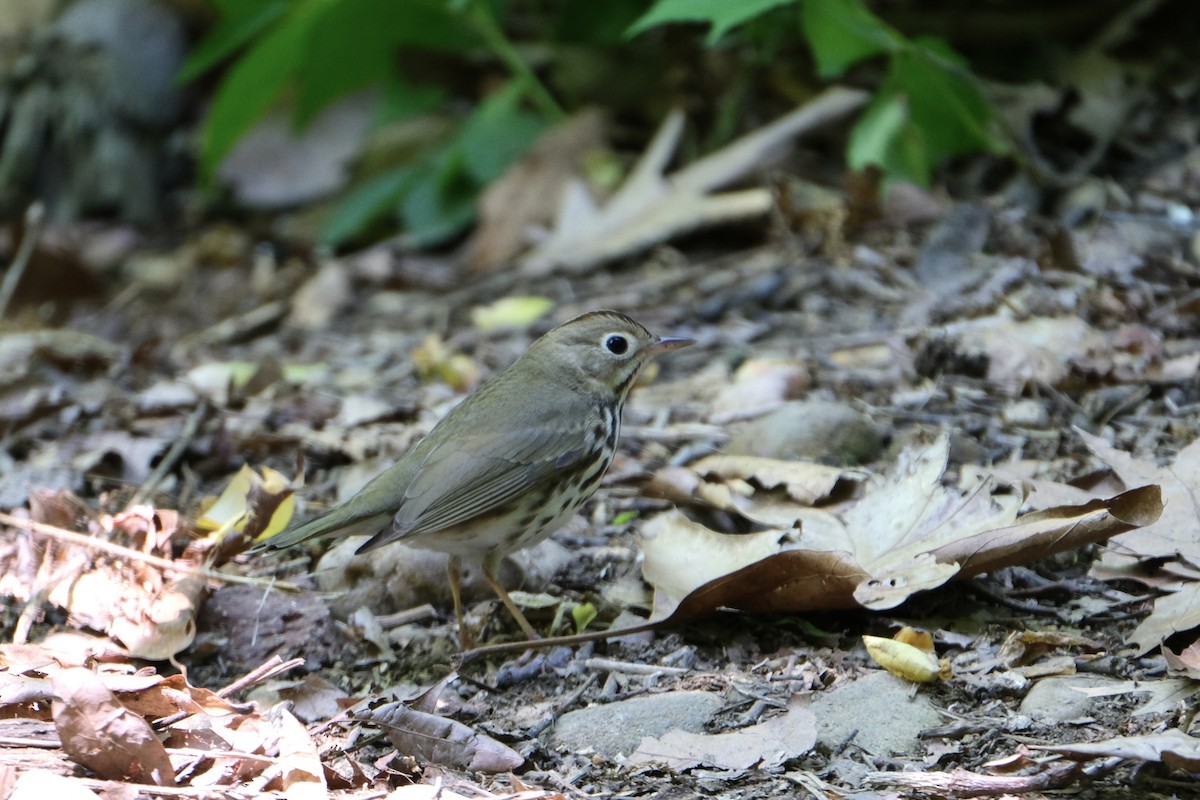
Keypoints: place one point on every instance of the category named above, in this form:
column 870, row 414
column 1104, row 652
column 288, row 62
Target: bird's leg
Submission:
column 491, row 563
column 454, row 572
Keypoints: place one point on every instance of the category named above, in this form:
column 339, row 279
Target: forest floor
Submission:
column 844, row 341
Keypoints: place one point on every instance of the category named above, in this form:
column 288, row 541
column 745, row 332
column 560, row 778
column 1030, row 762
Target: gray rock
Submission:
column 881, row 711
column 617, row 728
column 1057, row 699
column 809, row 430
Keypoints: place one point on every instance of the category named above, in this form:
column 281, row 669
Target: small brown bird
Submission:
column 510, row 464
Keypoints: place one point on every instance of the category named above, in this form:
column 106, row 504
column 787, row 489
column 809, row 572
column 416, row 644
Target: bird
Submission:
column 511, row 463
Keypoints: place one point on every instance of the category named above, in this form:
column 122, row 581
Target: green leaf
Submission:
column 366, row 204
column 583, row 615
column 241, row 21
column 589, row 22
column 885, row 136
column 497, row 133
column 440, row 203
column 625, row 516
column 403, row 100
column 357, row 41
column 944, row 103
column 843, row 32
column 721, row 14
column 255, row 83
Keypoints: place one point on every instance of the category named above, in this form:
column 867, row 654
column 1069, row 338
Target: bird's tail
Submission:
column 341, row 520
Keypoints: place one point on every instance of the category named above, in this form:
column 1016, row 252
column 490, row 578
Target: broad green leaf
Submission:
column 366, row 204
column 439, row 205
column 589, row 22
column 402, row 100
column 843, row 32
column 240, row 21
column 943, row 103
column 884, row 136
column 255, row 82
column 356, row 44
column 721, row 14
column 497, row 133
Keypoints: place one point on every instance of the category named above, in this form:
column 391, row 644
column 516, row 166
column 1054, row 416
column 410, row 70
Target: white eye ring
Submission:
column 616, row 343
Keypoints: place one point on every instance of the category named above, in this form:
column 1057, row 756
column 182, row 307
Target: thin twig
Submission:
column 422, row 612
column 268, row 669
column 468, row 656
column 563, row 705
column 34, row 216
column 630, row 668
column 133, row 555
column 168, row 462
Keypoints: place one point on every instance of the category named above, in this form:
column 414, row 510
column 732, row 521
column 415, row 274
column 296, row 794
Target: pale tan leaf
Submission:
column 651, row 207
column 302, row 775
column 905, row 534
column 1186, row 662
column 1173, row 748
column 804, row 482
column 1177, row 531
column 1178, row 611
column 1039, row 349
column 681, row 555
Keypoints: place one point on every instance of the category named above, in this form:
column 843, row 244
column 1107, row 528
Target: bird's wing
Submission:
column 462, row 480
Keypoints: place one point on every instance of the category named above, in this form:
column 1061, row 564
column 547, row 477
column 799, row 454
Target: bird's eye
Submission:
column 616, row 344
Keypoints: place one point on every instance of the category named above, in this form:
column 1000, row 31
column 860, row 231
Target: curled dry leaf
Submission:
column 651, row 207
column 437, row 740
column 906, row 533
column 104, row 736
column 261, row 505
column 1172, row 541
column 153, row 619
column 302, row 774
column 743, row 485
column 1040, row 349
column 906, row 661
column 1173, row 748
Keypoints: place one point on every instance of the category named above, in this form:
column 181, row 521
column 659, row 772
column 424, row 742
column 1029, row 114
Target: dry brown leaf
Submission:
column 104, row 736
column 652, row 207
column 314, row 698
column 1186, row 662
column 743, row 484
column 437, row 740
column 1173, row 748
column 1166, row 695
column 905, row 534
column 1177, row 531
column 759, row 385
column 767, row 744
column 157, row 627
column 302, row 775
column 804, row 482
column 1040, row 349
column 1174, row 536
column 157, row 696
column 528, row 194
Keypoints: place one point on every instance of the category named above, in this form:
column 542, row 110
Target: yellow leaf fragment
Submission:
column 905, row 660
column 231, row 510
column 510, row 312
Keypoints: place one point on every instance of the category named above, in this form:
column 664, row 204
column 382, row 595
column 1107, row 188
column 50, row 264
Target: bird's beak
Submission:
column 663, row 344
